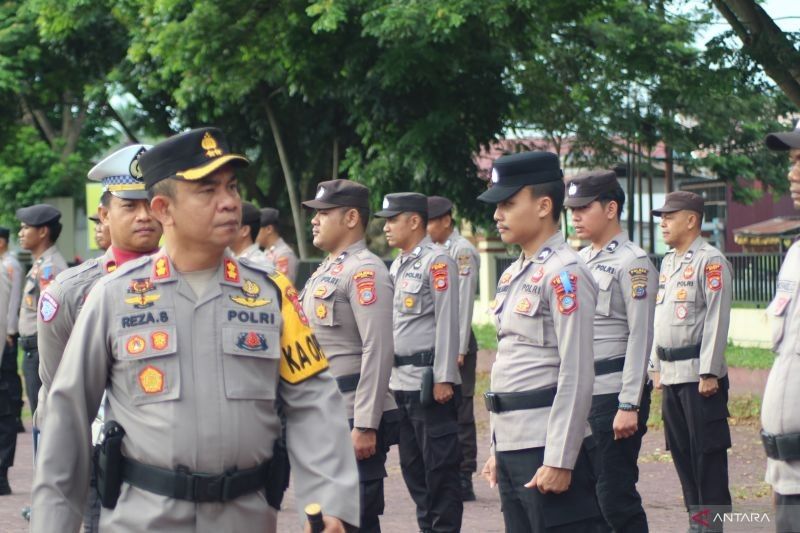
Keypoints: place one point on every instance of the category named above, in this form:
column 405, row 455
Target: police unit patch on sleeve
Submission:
column 439, row 271
column 301, row 355
column 365, row 286
column 638, row 283
column 48, row 307
column 282, row 264
column 714, row 276
column 464, row 266
column 566, row 287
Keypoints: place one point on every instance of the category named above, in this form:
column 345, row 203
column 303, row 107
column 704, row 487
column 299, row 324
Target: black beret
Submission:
column 585, row 187
column 5, row 233
column 339, row 193
column 438, row 206
column 269, row 215
column 38, row 215
column 250, row 214
column 191, row 156
column 511, row 173
column 403, row 202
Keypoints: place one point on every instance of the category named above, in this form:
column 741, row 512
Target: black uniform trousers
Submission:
column 372, row 471
column 698, row 437
column 787, row 513
column 10, row 405
column 614, row 463
column 466, row 416
column 30, row 369
column 430, row 456
column 529, row 511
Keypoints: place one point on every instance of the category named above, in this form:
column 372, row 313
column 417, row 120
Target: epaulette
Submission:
column 261, row 267
column 131, row 265
column 364, row 254
column 567, row 255
column 77, row 270
column 637, row 251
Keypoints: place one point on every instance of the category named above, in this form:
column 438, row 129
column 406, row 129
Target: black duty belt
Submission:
column 28, row 343
column 609, row 366
column 678, row 354
column 348, row 383
column 182, row 484
column 784, row 447
column 417, row 359
column 498, row 402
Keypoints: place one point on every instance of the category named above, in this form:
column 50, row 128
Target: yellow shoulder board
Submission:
column 301, row 354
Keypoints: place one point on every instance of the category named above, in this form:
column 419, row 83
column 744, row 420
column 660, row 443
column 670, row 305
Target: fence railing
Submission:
column 754, row 275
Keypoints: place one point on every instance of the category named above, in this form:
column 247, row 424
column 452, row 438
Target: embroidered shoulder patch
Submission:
column 714, row 276
column 638, row 283
column 282, row 264
column 566, row 287
column 439, row 271
column 365, row 286
column 464, row 266
column 48, row 307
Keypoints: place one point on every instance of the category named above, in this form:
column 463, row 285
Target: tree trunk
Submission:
column 765, row 42
column 290, row 182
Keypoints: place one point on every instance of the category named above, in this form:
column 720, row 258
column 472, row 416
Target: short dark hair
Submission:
column 553, row 190
column 618, row 196
column 255, row 227
column 162, row 188
column 55, row 230
column 363, row 216
column 423, row 216
column 105, row 199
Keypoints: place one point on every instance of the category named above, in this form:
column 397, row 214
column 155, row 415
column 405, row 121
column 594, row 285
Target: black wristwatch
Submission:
column 706, row 376
column 628, row 407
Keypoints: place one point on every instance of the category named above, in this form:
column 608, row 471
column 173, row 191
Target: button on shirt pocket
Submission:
column 324, row 299
column 410, row 297
column 151, row 364
column 250, row 362
column 605, row 283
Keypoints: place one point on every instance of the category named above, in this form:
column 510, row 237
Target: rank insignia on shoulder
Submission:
column 417, row 264
column 48, row 307
column 135, row 345
column 161, row 268
column 111, row 266
column 689, row 255
column 140, row 287
column 252, row 341
column 439, row 271
column 612, row 246
column 714, row 276
column 151, row 380
column 159, row 340
column 250, row 295
column 231, row 270
column 566, row 287
column 544, row 254
column 638, row 283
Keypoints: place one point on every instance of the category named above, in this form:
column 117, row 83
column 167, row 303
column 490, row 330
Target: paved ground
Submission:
column 658, row 485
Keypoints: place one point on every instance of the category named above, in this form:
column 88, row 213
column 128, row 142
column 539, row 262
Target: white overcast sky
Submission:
column 786, row 14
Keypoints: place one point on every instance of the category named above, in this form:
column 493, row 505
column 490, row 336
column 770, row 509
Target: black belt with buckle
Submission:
column 182, row 484
column 417, row 359
column 499, row 402
column 28, row 343
column 348, row 383
column 609, row 366
column 678, row 354
column 784, row 447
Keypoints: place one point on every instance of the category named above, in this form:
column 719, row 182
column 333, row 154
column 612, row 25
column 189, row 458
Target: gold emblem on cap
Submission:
column 134, row 169
column 209, row 144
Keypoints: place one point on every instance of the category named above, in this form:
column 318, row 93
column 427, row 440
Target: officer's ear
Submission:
column 160, row 207
column 351, row 218
column 102, row 213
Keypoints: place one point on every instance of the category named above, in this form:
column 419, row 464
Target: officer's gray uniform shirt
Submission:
column 44, row 270
column 283, row 257
column 14, row 270
column 779, row 411
column 468, row 261
column 62, row 300
column 623, row 320
column 544, row 312
column 194, row 381
column 693, row 306
column 425, row 314
column 349, row 303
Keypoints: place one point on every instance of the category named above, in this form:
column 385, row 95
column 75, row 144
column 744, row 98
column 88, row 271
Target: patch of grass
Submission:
column 751, row 492
column 745, row 357
column 486, row 335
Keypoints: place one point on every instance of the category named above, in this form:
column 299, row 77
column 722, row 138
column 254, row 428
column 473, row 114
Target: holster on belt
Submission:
column 107, row 459
column 277, row 474
column 426, row 390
